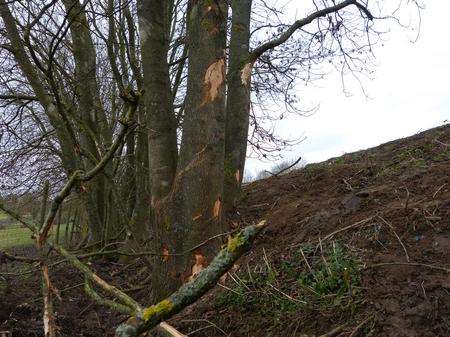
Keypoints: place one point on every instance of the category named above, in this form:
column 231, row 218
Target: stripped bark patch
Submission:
column 214, row 79
column 246, row 74
column 48, row 318
column 237, row 175
column 216, row 209
column 214, row 31
column 200, row 264
column 166, row 254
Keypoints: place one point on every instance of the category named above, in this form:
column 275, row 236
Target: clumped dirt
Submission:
column 388, row 206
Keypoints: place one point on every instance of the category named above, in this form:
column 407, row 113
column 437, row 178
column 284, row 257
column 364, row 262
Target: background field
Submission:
column 17, row 236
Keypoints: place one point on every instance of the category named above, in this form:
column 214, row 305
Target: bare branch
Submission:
column 256, row 53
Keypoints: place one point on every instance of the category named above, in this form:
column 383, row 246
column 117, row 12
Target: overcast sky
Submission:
column 410, row 92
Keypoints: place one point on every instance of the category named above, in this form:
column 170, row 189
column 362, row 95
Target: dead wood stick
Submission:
column 90, row 275
column 396, row 235
column 169, row 330
column 356, row 224
column 359, row 326
column 6, row 256
column 412, row 264
column 335, row 331
column 49, row 316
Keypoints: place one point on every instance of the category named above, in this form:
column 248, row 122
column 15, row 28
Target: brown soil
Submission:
column 389, row 207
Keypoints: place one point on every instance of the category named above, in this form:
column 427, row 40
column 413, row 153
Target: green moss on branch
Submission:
column 192, row 291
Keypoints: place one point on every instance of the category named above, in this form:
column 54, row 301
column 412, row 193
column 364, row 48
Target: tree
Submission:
column 75, row 69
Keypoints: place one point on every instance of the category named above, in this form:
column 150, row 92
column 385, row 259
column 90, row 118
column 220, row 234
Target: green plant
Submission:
column 333, row 272
column 308, row 278
column 339, row 160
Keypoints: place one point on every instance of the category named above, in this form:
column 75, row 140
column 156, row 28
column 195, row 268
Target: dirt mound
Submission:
column 386, row 208
column 356, row 246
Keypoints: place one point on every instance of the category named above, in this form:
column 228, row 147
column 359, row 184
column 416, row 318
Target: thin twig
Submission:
column 411, row 264
column 306, row 261
column 438, row 190
column 323, row 257
column 356, row 224
column 396, row 235
column 335, row 331
column 359, row 326
column 285, row 169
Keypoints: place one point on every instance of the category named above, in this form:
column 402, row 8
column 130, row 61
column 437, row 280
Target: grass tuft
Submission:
column 309, row 279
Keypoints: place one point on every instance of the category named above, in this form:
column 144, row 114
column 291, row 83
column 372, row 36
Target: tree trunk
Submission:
column 191, row 213
column 98, row 194
column 154, row 27
column 238, row 102
column 141, row 218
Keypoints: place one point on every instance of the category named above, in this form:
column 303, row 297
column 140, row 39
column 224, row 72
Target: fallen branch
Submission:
column 356, row 224
column 190, row 292
column 169, row 330
column 91, row 276
column 335, row 331
column 6, row 256
column 89, row 290
column 411, row 264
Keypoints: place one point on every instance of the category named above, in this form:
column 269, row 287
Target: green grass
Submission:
column 330, row 281
column 3, row 216
column 17, row 236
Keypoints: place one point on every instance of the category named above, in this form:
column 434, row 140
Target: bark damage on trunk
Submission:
column 192, row 211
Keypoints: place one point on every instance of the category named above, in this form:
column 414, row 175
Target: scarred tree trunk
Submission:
column 191, row 213
column 238, row 101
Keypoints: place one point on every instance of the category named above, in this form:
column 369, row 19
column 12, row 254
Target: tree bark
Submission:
column 154, row 27
column 238, row 102
column 98, row 196
column 142, row 212
column 192, row 211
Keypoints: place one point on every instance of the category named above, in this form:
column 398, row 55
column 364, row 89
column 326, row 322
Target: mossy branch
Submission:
column 189, row 293
column 89, row 290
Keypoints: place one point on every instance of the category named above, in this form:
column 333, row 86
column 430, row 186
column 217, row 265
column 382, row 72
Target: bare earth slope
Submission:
column 355, row 246
column 392, row 205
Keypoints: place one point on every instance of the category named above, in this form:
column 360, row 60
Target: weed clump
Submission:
column 310, row 278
